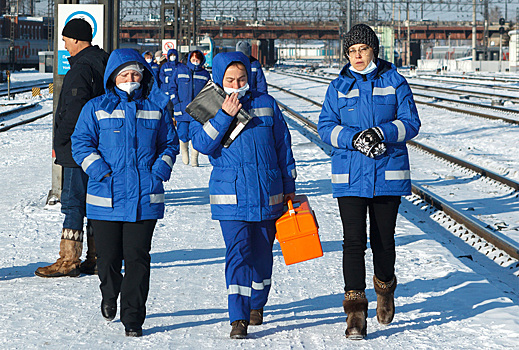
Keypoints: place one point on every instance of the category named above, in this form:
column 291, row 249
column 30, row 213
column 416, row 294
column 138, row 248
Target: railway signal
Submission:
column 8, row 75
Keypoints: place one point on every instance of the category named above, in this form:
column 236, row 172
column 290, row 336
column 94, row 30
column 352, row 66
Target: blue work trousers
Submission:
column 248, row 265
column 73, row 198
column 183, row 131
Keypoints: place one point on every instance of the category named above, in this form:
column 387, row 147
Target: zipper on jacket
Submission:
column 364, row 77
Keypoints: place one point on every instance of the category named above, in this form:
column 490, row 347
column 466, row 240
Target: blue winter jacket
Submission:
column 356, row 102
column 167, row 71
column 131, row 138
column 187, row 85
column 259, row 82
column 250, row 178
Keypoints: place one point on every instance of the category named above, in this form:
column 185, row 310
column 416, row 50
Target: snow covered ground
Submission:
column 449, row 297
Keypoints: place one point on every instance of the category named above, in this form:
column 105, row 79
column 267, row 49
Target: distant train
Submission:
column 464, row 52
column 22, row 54
column 21, row 38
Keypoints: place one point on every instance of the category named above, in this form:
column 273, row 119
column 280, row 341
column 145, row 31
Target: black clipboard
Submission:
column 208, row 102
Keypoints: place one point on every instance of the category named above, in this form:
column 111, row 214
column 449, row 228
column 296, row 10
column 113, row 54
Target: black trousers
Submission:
column 383, row 211
column 129, row 241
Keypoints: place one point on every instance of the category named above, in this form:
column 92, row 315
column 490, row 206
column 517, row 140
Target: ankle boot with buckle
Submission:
column 256, row 317
column 385, row 299
column 239, row 329
column 356, row 307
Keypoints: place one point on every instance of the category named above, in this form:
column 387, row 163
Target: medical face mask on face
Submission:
column 241, row 91
column 370, row 68
column 149, row 60
column 172, row 58
column 129, row 87
column 196, row 64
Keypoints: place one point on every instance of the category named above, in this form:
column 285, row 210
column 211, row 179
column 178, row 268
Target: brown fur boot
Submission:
column 89, row 266
column 70, row 249
column 385, row 299
column 356, row 307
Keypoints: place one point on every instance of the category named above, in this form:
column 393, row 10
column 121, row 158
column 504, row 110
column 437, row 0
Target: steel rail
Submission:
column 471, row 77
column 433, row 104
column 477, row 227
column 24, row 88
column 5, row 127
column 471, row 83
column 467, row 93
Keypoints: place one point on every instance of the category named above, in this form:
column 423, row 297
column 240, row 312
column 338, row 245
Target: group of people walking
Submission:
column 121, row 121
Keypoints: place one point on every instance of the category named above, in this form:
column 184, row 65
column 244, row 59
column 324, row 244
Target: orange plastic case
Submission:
column 297, row 232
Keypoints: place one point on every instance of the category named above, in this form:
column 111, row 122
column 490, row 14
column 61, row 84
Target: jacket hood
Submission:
column 223, row 60
column 172, row 52
column 191, row 65
column 122, row 56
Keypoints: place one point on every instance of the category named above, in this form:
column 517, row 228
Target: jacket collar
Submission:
column 382, row 67
column 74, row 59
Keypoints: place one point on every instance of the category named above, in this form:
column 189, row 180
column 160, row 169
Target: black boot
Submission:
column 356, row 307
column 108, row 310
column 89, row 266
column 239, row 329
column 385, row 299
column 133, row 332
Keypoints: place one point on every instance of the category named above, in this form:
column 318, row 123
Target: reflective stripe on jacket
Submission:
column 356, row 102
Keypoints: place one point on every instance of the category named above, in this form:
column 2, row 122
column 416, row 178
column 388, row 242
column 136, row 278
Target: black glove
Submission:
column 367, row 142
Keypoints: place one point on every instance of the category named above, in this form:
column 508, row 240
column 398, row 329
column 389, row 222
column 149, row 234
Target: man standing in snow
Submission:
column 258, row 81
column 82, row 82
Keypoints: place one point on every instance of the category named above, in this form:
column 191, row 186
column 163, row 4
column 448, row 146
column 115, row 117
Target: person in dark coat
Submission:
column 368, row 115
column 126, row 143
column 250, row 181
column 258, row 81
column 82, row 82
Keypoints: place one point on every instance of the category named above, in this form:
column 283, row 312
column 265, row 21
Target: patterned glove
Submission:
column 366, row 141
column 377, row 150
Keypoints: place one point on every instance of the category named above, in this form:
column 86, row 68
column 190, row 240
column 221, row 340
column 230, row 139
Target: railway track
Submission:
column 472, row 230
column 23, row 114
column 436, row 99
column 25, row 87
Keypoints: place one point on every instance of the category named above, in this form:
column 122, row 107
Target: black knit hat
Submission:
column 79, row 29
column 361, row 34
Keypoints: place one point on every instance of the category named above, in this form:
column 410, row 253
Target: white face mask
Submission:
column 370, row 68
column 172, row 58
column 241, row 91
column 149, row 60
column 196, row 64
column 129, row 87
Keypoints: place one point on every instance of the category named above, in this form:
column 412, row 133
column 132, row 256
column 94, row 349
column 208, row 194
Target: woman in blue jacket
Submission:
column 187, row 85
column 126, row 143
column 250, row 181
column 367, row 116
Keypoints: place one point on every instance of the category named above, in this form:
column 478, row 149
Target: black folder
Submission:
column 208, row 102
